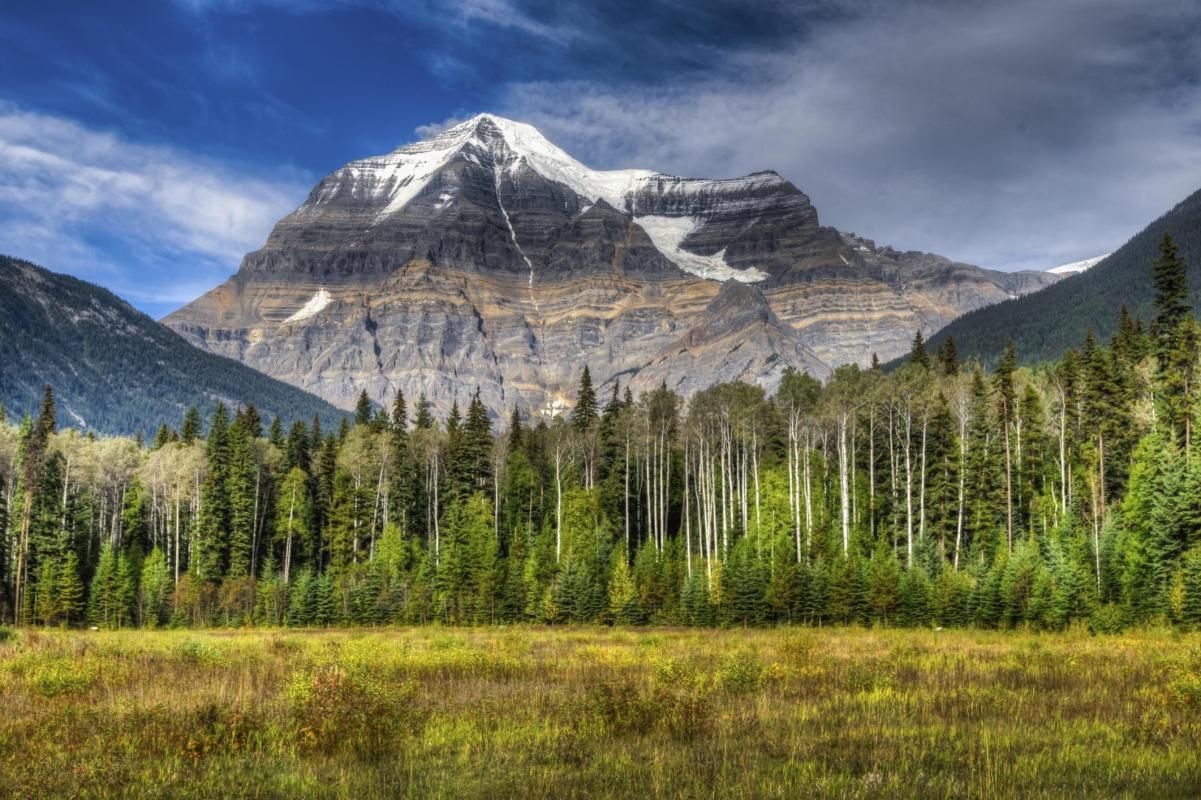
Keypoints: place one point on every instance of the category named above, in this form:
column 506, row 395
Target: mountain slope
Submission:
column 1046, row 323
column 487, row 256
column 113, row 369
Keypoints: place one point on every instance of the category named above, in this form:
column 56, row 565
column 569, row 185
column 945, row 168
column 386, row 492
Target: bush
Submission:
column 677, row 701
column 1108, row 618
column 742, row 672
column 337, row 710
column 52, row 675
column 196, row 651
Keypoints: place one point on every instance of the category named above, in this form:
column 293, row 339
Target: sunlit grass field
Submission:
column 591, row 712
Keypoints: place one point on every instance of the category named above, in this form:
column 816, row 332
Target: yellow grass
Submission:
column 591, row 712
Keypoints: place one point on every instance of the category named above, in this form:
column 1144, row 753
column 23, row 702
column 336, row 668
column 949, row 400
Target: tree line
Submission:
column 936, row 494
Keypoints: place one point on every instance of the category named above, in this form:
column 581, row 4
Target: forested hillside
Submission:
column 937, row 494
column 113, row 368
column 1044, row 324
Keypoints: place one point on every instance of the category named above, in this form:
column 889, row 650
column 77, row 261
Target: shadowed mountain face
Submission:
column 1045, row 324
column 486, row 256
column 113, row 369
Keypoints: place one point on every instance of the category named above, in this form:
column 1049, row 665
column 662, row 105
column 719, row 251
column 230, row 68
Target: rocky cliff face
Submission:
column 488, row 257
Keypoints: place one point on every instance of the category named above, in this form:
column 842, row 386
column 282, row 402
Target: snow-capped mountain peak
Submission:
column 511, row 143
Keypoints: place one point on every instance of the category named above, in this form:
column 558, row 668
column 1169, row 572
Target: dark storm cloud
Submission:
column 1016, row 134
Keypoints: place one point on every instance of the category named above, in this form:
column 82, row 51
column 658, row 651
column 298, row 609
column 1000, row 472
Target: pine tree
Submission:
column 882, row 596
column 302, row 600
column 584, row 415
column 948, row 357
column 154, row 588
column 45, row 595
column 1173, row 366
column 918, row 353
column 1190, row 614
column 242, row 492
column 162, row 438
column 70, row 590
column 362, row 409
column 623, row 594
column 190, row 431
column 275, row 434
column 1169, row 274
column 105, row 594
column 744, row 586
column 211, row 542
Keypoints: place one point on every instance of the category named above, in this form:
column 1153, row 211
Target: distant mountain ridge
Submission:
column 487, row 256
column 114, row 369
column 1043, row 325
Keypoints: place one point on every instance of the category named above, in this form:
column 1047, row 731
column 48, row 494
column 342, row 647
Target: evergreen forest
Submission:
column 938, row 494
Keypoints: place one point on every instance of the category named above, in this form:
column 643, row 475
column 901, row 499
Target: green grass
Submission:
column 590, row 712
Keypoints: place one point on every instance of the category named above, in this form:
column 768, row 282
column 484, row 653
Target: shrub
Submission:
column 1108, row 618
column 53, row 675
column 337, row 710
column 196, row 651
column 677, row 701
column 742, row 672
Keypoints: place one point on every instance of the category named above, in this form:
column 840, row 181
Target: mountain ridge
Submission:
column 114, row 369
column 1046, row 323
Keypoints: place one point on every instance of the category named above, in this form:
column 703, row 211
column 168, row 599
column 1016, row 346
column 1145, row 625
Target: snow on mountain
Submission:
column 313, row 307
column 668, row 233
column 1077, row 266
column 401, row 175
column 389, row 183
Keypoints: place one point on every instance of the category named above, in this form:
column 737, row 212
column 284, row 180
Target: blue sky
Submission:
column 147, row 146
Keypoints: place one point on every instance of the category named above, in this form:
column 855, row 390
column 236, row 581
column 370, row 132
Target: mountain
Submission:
column 113, row 369
column 486, row 256
column 1043, row 325
column 1078, row 266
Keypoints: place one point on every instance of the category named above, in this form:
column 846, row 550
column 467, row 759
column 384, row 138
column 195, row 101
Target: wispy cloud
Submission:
column 509, row 14
column 72, row 196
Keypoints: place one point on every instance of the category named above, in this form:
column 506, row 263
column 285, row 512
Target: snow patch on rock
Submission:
column 668, row 235
column 1077, row 266
column 313, row 307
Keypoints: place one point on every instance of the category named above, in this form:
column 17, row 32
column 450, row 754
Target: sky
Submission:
column 148, row 146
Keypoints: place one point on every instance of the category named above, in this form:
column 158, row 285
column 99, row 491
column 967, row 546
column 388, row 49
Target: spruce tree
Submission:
column 1169, row 275
column 1173, row 352
column 1190, row 612
column 70, row 590
column 210, row 547
column 948, row 357
column 191, row 430
column 584, row 415
column 154, row 589
column 917, row 351
column 362, row 409
column 45, row 594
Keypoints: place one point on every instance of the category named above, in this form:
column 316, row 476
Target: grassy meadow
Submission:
column 593, row 712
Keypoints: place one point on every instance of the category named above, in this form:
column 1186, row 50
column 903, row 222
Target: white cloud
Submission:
column 1011, row 135
column 64, row 186
column 435, row 128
